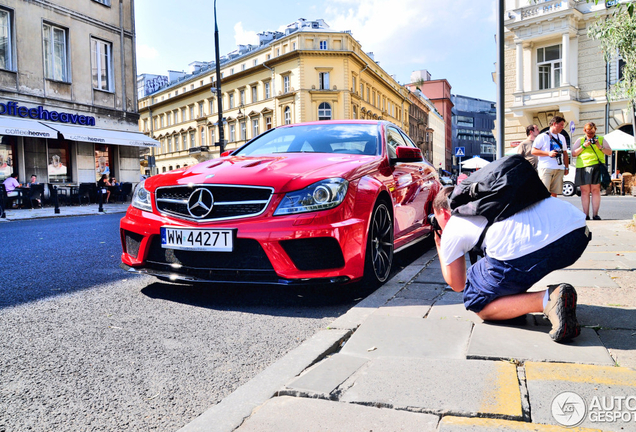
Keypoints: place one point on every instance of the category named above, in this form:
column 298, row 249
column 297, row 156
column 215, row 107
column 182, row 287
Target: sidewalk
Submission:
column 72, row 210
column 411, row 358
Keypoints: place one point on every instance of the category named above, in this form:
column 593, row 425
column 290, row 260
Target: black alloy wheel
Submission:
column 379, row 256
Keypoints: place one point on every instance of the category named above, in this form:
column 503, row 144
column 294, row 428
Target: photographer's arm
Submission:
column 455, row 272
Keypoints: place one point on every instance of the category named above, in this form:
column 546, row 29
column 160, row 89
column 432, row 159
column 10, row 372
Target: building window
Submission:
column 268, row 123
column 231, row 100
column 267, row 91
column 59, row 168
column 211, row 106
column 286, row 84
column 169, row 144
column 242, row 97
column 243, row 67
column 202, row 136
column 183, row 114
column 243, row 131
column 254, row 128
column 361, row 90
column 323, row 44
column 163, row 169
column 212, row 140
column 232, row 133
column 323, row 78
column 104, row 2
column 269, row 56
column 620, row 65
column 355, row 112
column 465, row 121
column 176, row 143
column 169, row 118
column 232, row 71
column 6, row 40
column 146, row 125
column 191, row 112
column 368, row 95
column 294, row 46
column 255, row 62
column 373, row 98
column 193, row 140
column 102, row 65
column 254, row 95
column 353, row 83
column 549, row 64
column 55, row 53
column 324, row 111
column 287, row 115
column 201, row 110
column 163, row 121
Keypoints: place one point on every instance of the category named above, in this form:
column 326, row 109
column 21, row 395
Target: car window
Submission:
column 407, row 140
column 393, row 140
column 334, row 138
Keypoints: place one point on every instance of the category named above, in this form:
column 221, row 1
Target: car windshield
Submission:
column 361, row 139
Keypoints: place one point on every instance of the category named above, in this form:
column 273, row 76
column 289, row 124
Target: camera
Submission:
column 434, row 224
column 593, row 140
column 559, row 156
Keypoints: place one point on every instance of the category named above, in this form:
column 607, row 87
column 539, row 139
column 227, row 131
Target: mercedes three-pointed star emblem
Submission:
column 200, row 203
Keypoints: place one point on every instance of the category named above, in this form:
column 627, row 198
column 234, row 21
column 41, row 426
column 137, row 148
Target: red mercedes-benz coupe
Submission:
column 326, row 202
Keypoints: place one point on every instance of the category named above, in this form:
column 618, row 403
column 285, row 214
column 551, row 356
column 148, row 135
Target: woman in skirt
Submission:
column 590, row 151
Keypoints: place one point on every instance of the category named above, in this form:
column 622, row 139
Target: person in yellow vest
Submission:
column 590, row 151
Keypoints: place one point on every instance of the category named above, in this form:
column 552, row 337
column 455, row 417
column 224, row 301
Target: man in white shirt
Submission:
column 551, row 148
column 519, row 251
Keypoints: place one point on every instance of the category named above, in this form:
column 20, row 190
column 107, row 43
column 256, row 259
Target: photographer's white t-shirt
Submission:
column 521, row 234
column 543, row 142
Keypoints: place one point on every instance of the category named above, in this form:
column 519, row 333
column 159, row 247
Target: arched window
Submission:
column 170, row 168
column 163, row 169
column 355, row 112
column 287, row 116
column 324, row 111
column 178, row 166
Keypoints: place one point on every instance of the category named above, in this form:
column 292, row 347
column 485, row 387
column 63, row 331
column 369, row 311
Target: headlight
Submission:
column 141, row 198
column 322, row 195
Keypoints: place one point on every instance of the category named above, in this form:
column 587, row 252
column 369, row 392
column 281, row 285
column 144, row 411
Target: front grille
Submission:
column 247, row 255
column 133, row 241
column 319, row 253
column 246, row 263
column 230, row 202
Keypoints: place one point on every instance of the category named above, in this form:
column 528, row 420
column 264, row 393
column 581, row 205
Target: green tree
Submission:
column 617, row 35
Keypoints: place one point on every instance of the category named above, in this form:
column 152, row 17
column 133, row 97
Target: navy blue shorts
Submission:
column 489, row 278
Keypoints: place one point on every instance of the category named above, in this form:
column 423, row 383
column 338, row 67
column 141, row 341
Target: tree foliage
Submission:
column 617, row 35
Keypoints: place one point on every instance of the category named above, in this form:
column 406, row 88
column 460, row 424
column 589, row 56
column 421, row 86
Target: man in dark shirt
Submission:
column 525, row 148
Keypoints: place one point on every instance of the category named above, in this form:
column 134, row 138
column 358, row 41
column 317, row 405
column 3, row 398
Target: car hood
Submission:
column 284, row 173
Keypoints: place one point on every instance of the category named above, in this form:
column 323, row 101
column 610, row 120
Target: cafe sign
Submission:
column 12, row 108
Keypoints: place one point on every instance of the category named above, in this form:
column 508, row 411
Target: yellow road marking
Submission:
column 605, row 375
column 504, row 396
column 497, row 424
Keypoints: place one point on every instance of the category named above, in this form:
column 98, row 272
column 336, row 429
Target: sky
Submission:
column 452, row 39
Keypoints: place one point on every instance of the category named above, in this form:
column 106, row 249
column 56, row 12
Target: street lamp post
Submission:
column 218, row 85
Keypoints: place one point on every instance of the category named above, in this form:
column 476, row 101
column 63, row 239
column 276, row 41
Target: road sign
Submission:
column 460, row 151
column 572, row 128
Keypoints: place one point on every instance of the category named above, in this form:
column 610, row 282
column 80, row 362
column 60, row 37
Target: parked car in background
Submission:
column 327, row 202
column 568, row 180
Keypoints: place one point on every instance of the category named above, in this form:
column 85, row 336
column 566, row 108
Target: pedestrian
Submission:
column 103, row 186
column 590, row 151
column 10, row 183
column 525, row 148
column 551, row 149
column 519, row 251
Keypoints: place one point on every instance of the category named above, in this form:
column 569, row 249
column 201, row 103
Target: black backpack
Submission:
column 497, row 191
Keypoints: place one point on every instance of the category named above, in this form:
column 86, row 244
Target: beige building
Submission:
column 553, row 68
column 68, row 105
column 307, row 73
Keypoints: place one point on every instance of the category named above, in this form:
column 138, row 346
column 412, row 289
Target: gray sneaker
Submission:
column 561, row 311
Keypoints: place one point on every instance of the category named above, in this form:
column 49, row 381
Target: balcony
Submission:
column 564, row 98
column 538, row 10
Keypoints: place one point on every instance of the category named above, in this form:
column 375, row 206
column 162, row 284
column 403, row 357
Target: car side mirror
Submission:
column 407, row 154
column 227, row 153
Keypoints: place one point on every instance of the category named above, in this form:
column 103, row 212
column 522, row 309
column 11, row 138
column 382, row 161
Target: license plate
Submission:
column 218, row 240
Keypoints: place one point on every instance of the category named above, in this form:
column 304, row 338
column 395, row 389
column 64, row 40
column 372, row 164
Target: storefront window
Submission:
column 6, row 159
column 59, row 159
column 103, row 159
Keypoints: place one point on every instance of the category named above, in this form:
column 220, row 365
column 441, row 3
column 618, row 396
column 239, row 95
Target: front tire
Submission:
column 379, row 254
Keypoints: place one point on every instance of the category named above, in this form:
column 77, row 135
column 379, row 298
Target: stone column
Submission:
column 519, row 81
column 565, row 67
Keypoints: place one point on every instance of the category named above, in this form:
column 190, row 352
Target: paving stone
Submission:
column 606, row 316
column 431, row 274
column 421, row 291
column 451, row 307
column 467, row 424
column 441, row 386
column 594, row 387
column 327, row 375
column 405, row 307
column 383, row 335
column 492, row 341
column 621, row 345
column 578, row 279
column 315, row 415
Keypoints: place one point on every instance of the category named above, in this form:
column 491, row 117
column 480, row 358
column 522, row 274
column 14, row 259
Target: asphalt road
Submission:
column 86, row 346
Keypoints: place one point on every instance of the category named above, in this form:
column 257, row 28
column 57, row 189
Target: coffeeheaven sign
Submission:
column 12, row 108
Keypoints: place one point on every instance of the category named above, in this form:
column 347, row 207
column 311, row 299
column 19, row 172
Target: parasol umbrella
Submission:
column 474, row 163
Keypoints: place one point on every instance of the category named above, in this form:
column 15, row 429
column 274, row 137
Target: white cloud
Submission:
column 146, row 52
column 244, row 37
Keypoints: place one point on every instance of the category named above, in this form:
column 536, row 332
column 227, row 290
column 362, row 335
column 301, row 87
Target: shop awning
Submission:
column 619, row 140
column 27, row 128
column 104, row 136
